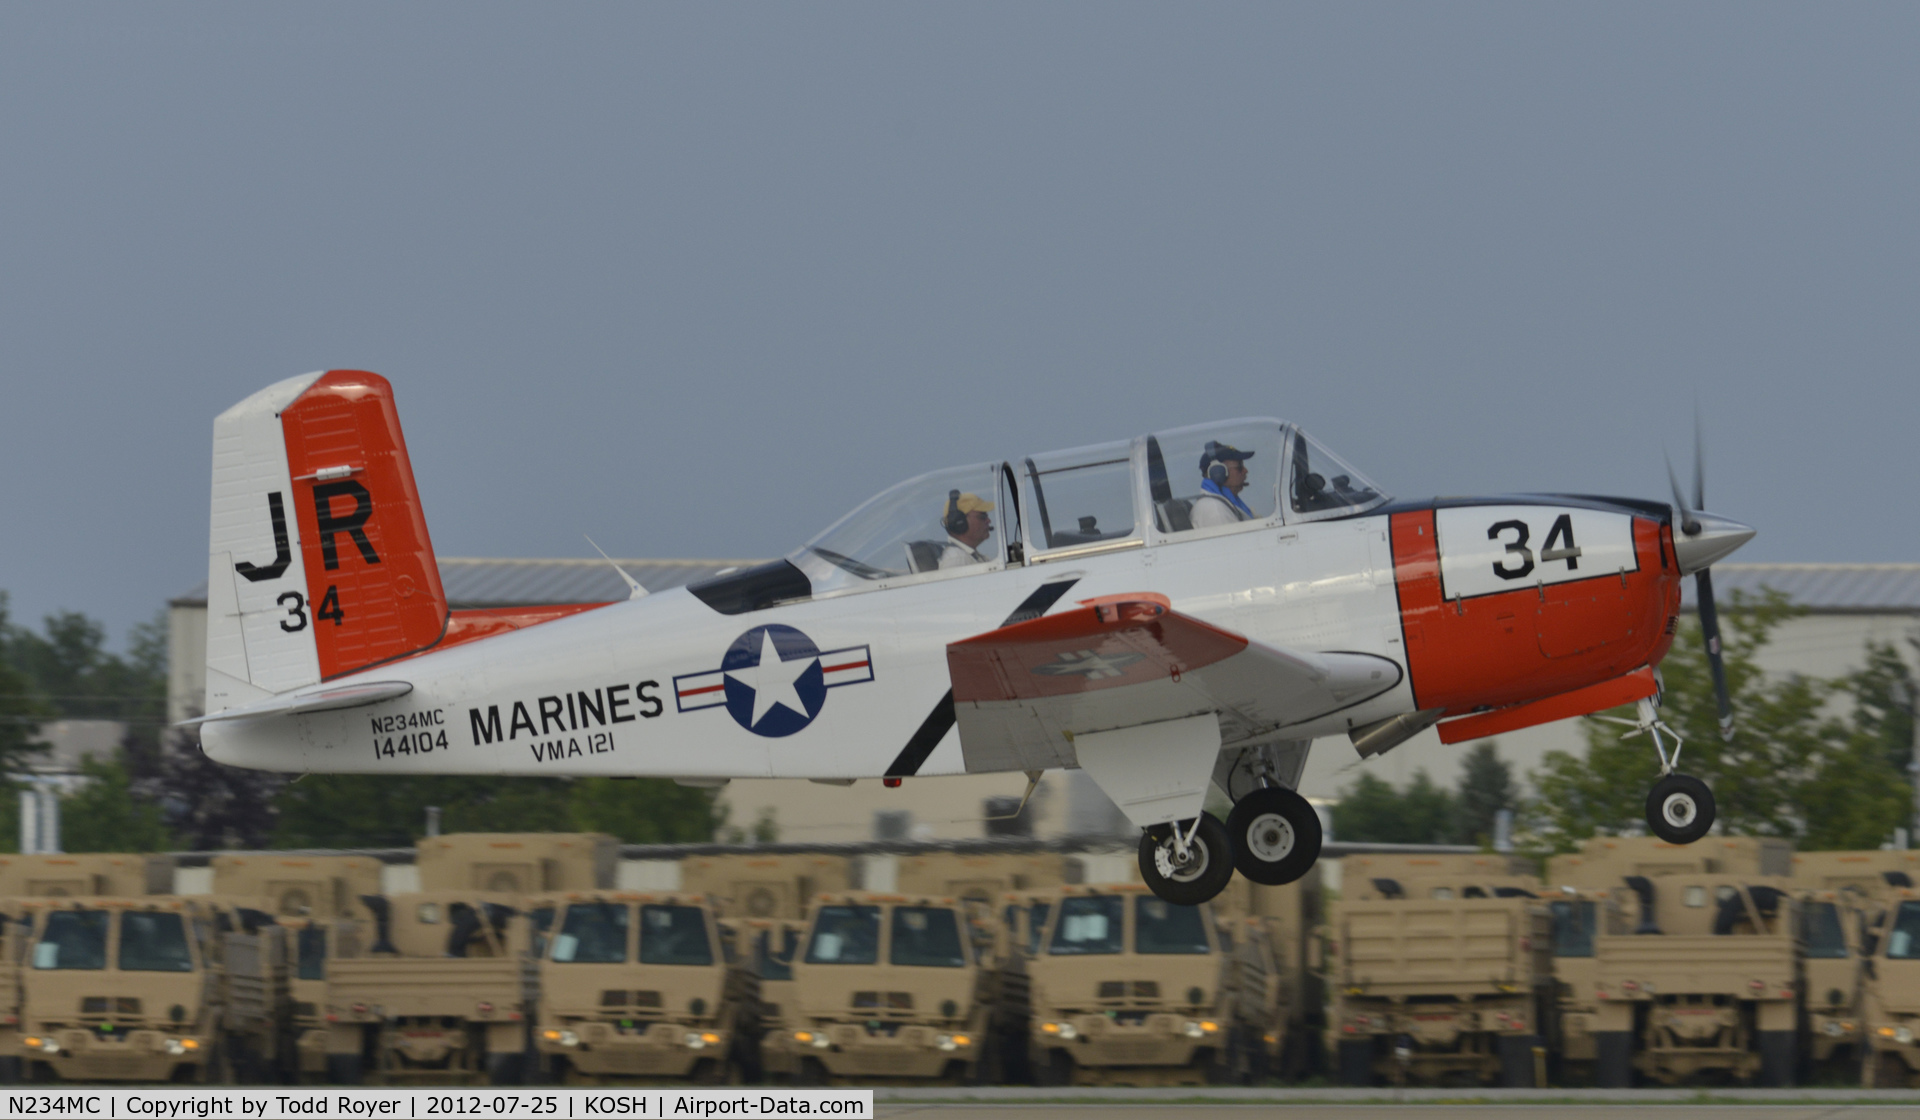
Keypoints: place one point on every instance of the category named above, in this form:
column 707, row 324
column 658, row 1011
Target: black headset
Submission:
column 956, row 520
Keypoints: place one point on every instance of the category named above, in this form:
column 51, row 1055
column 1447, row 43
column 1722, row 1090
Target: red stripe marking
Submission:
column 848, row 665
column 698, row 691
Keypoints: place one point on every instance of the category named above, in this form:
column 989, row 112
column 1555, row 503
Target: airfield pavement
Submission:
column 1357, row 1104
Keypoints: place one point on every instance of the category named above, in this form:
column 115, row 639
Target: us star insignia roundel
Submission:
column 773, row 680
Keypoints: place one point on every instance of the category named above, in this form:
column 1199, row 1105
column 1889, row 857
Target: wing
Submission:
column 1022, row 692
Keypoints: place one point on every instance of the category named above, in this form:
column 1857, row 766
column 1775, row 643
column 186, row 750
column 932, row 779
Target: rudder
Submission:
column 319, row 561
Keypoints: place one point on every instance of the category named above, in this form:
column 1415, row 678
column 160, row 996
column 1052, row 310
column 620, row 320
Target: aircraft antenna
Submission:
column 639, row 592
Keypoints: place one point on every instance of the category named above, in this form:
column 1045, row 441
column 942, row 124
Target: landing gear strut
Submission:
column 1187, row 862
column 1680, row 807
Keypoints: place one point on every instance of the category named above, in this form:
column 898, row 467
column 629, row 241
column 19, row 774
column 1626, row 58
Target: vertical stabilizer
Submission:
column 319, row 560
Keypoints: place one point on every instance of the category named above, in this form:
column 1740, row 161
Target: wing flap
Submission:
column 1021, row 692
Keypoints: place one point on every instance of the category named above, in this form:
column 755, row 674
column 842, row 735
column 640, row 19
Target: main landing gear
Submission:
column 1272, row 837
column 1680, row 807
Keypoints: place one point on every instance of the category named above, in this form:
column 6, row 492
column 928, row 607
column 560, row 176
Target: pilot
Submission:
column 1225, row 468
column 968, row 527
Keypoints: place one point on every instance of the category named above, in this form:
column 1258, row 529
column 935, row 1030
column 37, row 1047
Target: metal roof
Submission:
column 472, row 582
column 1824, row 588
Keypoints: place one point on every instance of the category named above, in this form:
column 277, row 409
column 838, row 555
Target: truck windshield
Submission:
column 1160, row 928
column 593, row 933
column 926, row 937
column 1903, row 942
column 73, row 939
column 845, row 935
column 1824, row 936
column 1088, row 925
column 1573, row 928
column 674, row 935
column 312, row 945
column 769, row 964
column 151, row 942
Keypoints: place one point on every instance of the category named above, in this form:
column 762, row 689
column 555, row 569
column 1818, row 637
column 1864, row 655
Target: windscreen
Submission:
column 592, row 933
column 311, row 943
column 73, row 939
column 1903, row 941
column 1825, row 938
column 1162, row 929
column 771, row 965
column 1088, row 925
column 1037, row 924
column 926, row 937
column 845, row 935
column 153, row 942
column 674, row 935
column 1573, row 927
column 1322, row 483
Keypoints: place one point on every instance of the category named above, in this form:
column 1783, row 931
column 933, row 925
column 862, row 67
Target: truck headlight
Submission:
column 700, row 1040
column 1832, row 1029
column 943, row 1041
column 1903, row 1035
column 176, row 1047
column 1192, row 1030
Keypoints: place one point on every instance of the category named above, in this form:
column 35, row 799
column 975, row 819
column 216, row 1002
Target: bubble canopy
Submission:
column 1195, row 482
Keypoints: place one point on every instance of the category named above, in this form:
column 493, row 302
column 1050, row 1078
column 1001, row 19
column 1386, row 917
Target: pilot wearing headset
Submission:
column 1225, row 468
column 968, row 527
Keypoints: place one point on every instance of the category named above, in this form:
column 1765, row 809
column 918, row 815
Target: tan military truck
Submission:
column 85, row 876
column 1707, row 983
column 517, row 863
column 1129, row 989
column 896, row 989
column 1441, row 980
column 1604, row 860
column 640, row 985
column 769, row 944
column 319, row 887
column 754, row 885
column 15, row 936
column 121, row 989
column 441, row 994
column 1891, row 1006
column 1580, row 915
column 978, row 877
column 1841, row 895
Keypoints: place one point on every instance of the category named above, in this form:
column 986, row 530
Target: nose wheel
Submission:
column 1276, row 835
column 1680, row 809
column 1187, row 862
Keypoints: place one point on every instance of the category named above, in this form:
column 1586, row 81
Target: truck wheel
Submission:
column 506, row 1069
column 1356, row 1062
column 1276, row 835
column 345, row 1069
column 1778, row 1059
column 1680, row 809
column 808, row 1071
column 1516, row 1061
column 1613, row 1059
column 1203, row 874
column 9, row 1071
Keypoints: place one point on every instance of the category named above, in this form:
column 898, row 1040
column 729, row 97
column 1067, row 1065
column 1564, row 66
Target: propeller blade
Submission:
column 1710, row 630
column 1688, row 524
column 1699, row 464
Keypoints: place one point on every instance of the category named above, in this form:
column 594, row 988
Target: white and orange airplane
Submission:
column 1181, row 609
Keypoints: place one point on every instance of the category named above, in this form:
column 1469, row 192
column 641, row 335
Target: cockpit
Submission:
column 1183, row 484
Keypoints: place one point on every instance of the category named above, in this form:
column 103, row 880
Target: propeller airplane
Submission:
column 1185, row 609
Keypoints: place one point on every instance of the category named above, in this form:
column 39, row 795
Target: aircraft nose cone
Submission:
column 1716, row 539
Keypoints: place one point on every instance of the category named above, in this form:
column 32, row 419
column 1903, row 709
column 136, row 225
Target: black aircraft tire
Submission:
column 1680, row 809
column 1207, row 873
column 1276, row 836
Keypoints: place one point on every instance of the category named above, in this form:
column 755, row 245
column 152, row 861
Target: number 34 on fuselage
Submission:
column 1185, row 608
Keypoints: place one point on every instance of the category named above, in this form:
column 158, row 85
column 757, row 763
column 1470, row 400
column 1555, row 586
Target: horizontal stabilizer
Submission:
column 323, row 700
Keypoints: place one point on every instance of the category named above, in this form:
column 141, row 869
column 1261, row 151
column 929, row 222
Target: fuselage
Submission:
column 1483, row 604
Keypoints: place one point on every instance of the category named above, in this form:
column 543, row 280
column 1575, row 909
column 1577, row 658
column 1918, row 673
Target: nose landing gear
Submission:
column 1187, row 862
column 1680, row 807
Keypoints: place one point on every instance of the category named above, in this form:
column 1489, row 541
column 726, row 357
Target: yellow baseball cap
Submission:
column 971, row 503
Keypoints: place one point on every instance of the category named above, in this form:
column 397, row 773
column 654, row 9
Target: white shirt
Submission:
column 957, row 555
column 1209, row 510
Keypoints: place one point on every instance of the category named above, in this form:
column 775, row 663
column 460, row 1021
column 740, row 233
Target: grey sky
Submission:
column 695, row 279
